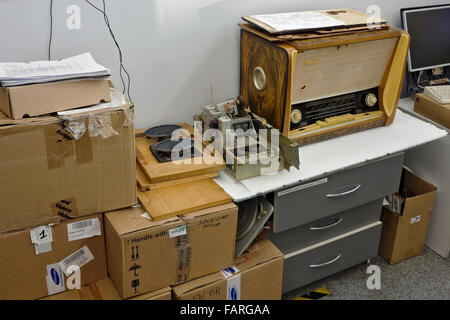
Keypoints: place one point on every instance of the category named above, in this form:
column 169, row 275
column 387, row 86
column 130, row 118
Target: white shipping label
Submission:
column 416, row 219
column 84, row 229
column 228, row 272
column 41, row 235
column 55, row 279
column 303, row 186
column 79, row 258
column 176, row 232
column 234, row 287
column 42, row 248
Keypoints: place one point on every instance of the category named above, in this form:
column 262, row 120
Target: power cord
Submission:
column 51, row 31
column 108, row 24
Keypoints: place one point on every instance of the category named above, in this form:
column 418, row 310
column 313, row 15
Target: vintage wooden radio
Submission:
column 318, row 85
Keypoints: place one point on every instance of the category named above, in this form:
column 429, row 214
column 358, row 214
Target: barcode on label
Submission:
column 73, row 257
column 83, row 229
column 81, row 224
column 78, row 258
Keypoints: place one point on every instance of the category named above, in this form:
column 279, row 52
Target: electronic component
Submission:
column 247, row 154
column 323, row 83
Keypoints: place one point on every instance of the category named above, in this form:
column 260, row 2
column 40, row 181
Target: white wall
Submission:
column 173, row 49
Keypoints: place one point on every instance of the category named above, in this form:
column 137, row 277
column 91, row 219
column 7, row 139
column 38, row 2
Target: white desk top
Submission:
column 336, row 154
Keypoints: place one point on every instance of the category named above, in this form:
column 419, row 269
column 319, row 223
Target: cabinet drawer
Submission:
column 327, row 228
column 326, row 258
column 335, row 193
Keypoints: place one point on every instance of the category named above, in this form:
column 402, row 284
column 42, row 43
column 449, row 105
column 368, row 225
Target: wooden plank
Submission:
column 142, row 180
column 154, row 186
column 170, row 201
column 145, row 185
column 158, row 172
column 140, row 157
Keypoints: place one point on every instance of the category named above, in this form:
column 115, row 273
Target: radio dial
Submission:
column 296, row 116
column 371, row 100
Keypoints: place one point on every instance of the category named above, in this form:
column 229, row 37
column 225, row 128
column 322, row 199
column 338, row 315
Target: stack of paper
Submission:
column 79, row 67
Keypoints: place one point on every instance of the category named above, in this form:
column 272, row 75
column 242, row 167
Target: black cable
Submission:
column 108, row 24
column 51, row 30
column 122, row 67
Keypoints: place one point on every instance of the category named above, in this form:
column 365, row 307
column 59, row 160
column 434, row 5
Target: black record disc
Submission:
column 162, row 131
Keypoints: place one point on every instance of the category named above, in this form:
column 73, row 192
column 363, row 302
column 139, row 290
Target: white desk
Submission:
column 330, row 156
column 432, row 162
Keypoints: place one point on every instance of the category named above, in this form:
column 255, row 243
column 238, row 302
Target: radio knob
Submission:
column 371, row 100
column 296, row 116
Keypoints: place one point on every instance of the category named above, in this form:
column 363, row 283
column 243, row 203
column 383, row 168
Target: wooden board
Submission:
column 170, row 201
column 158, row 172
column 332, row 71
column 145, row 185
column 271, row 102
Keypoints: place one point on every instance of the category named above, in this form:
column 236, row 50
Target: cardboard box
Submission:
column 403, row 236
column 145, row 255
column 258, row 276
column 24, row 274
column 37, row 99
column 105, row 290
column 65, row 167
column 433, row 110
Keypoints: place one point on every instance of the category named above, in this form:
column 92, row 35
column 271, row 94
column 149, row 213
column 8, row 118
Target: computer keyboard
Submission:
column 440, row 94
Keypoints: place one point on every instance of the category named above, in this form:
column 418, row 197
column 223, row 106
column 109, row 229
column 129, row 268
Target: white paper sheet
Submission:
column 298, row 20
column 80, row 66
column 331, row 155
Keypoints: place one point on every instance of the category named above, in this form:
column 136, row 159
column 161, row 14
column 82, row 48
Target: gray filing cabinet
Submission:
column 332, row 223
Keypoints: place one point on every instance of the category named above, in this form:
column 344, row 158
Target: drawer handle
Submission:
column 336, row 195
column 326, row 263
column 331, row 225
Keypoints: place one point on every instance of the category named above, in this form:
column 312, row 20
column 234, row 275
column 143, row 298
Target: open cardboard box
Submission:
column 403, row 235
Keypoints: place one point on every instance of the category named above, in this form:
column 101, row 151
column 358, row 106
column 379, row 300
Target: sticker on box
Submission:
column 179, row 231
column 416, row 219
column 84, row 229
column 41, row 235
column 42, row 239
column 233, row 282
column 234, row 288
column 55, row 279
column 229, row 272
column 79, row 258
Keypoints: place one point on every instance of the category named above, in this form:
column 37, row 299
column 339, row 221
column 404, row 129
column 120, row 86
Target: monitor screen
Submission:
column 429, row 28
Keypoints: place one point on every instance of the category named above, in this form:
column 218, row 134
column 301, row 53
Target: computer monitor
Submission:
column 429, row 28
